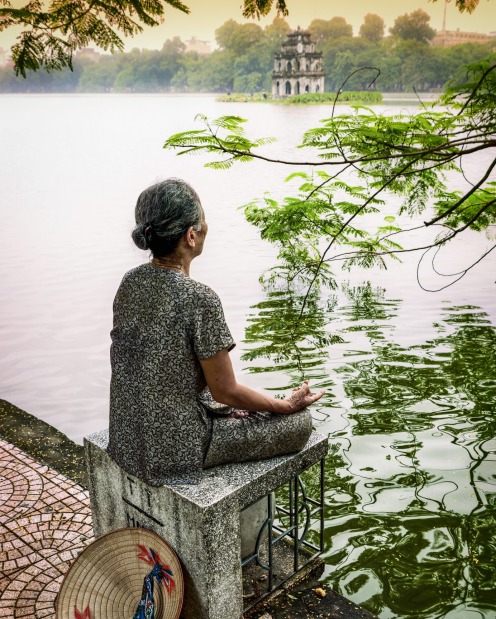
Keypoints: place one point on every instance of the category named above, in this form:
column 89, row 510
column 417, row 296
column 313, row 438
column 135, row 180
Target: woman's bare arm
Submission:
column 224, row 388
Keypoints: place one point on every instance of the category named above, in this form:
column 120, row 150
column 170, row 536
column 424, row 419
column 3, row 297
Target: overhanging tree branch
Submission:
column 54, row 30
column 371, row 158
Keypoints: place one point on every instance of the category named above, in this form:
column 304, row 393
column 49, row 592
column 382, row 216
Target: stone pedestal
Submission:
column 201, row 522
column 251, row 520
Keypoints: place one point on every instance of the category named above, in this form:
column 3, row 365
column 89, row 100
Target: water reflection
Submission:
column 279, row 340
column 410, row 481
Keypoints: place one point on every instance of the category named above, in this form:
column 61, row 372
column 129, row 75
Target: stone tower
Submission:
column 298, row 67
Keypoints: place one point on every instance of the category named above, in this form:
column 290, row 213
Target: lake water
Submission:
column 411, row 492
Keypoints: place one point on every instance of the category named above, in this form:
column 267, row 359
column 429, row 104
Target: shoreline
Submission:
column 43, row 442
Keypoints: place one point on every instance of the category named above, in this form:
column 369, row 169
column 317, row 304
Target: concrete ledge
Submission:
column 201, row 522
column 244, row 481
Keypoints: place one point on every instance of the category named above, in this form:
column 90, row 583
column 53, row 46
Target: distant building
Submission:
column 200, row 47
column 448, row 38
column 298, row 67
column 88, row 53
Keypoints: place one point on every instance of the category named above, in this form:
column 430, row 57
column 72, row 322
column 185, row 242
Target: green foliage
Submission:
column 172, row 68
column 464, row 5
column 54, row 30
column 52, row 34
column 325, row 29
column 360, row 161
column 260, row 8
column 321, row 209
column 414, row 26
column 404, row 65
column 239, row 97
column 362, row 96
column 310, row 98
column 372, row 28
column 225, row 134
column 246, row 61
column 237, row 38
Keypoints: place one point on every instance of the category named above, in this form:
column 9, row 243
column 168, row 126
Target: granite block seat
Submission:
column 201, row 522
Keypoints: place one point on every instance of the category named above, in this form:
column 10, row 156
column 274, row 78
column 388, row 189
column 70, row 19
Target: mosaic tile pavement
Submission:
column 45, row 522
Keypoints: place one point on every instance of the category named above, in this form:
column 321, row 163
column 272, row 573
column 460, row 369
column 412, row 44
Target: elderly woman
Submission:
column 175, row 405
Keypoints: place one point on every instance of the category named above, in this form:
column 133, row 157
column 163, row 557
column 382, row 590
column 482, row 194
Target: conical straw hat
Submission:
column 106, row 580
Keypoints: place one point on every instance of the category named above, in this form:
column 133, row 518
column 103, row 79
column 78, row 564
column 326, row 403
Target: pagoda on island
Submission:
column 298, row 67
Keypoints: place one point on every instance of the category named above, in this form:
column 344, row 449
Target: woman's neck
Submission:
column 174, row 262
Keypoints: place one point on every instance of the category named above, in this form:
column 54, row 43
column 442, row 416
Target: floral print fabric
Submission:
column 159, row 431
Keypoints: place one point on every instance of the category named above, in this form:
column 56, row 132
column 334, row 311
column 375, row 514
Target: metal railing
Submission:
column 301, row 512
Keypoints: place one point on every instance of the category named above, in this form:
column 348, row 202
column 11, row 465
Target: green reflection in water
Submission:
column 411, row 473
column 282, row 342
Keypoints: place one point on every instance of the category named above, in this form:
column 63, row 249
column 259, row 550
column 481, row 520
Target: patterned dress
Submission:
column 163, row 425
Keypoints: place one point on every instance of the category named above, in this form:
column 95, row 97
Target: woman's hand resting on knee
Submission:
column 225, row 389
column 302, row 397
column 297, row 401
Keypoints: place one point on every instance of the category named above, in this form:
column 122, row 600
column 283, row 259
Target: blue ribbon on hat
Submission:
column 160, row 573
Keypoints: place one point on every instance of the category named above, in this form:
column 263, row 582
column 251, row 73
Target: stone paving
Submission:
column 45, row 522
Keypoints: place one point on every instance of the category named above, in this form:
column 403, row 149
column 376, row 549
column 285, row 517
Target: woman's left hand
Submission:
column 302, row 397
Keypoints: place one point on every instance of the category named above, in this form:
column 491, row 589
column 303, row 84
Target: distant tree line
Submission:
column 243, row 61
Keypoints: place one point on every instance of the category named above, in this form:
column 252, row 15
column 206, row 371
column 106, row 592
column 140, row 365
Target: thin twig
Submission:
column 476, row 87
column 465, row 197
column 460, row 273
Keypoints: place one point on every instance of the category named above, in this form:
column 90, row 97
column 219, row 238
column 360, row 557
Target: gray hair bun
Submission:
column 163, row 213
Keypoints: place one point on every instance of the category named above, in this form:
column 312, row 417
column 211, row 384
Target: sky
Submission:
column 207, row 15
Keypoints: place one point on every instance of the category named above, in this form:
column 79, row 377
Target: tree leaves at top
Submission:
column 260, row 8
column 53, row 31
column 52, row 34
column 257, row 8
column 464, row 5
